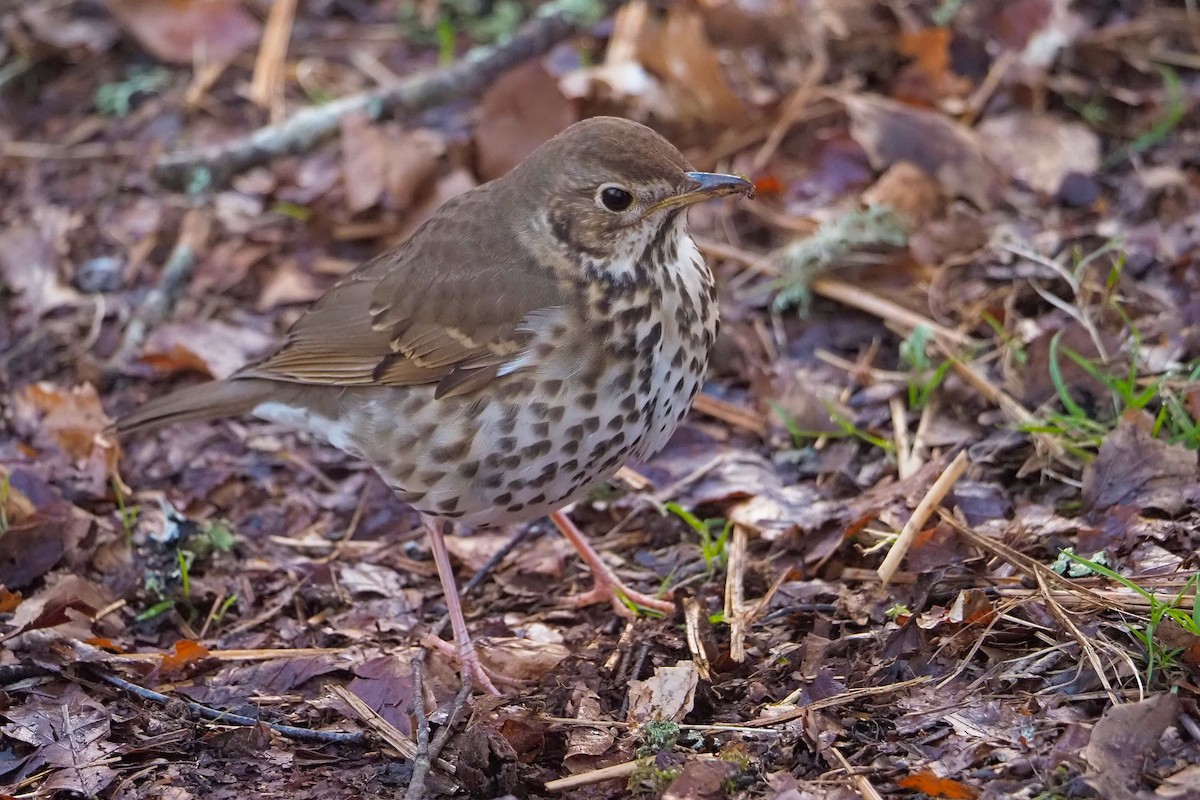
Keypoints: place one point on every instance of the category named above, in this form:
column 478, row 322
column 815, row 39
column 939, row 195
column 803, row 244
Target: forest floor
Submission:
column 931, row 528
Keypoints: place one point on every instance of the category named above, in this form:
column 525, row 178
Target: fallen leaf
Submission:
column 9, row 600
column 928, row 782
column 1040, row 150
column 521, row 110
column 186, row 652
column 186, row 31
column 707, row 779
column 385, row 684
column 66, row 599
column 364, row 161
column 668, row 694
column 212, row 348
column 678, row 50
column 662, row 67
column 29, row 265
column 365, row 578
column 584, row 742
column 929, row 77
column 909, row 191
column 45, row 530
column 520, row 659
column 1182, row 785
column 1133, row 467
column 70, row 732
column 1126, row 736
column 891, row 132
column 288, row 285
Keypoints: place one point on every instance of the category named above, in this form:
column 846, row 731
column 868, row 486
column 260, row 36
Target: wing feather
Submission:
column 441, row 308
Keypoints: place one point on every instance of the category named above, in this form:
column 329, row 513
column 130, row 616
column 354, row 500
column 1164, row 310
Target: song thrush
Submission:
column 533, row 334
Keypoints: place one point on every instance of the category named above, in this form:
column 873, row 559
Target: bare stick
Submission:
column 416, row 786
column 467, row 77
column 924, row 510
column 301, row 734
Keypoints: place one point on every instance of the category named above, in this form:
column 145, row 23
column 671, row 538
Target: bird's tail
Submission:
column 212, row 400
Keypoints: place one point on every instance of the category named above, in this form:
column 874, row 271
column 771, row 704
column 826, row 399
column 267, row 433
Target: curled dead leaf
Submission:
column 668, row 694
column 182, row 31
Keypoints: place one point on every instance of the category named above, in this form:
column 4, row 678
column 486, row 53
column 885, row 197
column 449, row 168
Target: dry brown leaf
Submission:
column 584, row 743
column 1124, row 738
column 73, row 420
column 416, row 156
column 1040, row 150
column 908, row 190
column 891, row 132
column 28, row 264
column 707, row 779
column 289, row 284
column 668, row 694
column 209, row 347
column 184, row 31
column 521, row 110
column 661, row 67
column 520, row 659
column 928, row 78
column 364, row 161
column 1133, row 467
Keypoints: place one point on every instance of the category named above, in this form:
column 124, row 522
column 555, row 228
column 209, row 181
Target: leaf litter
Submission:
column 975, row 234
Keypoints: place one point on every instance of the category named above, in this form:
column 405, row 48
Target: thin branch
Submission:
column 204, row 712
column 214, row 165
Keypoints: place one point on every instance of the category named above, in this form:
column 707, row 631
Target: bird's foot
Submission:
column 626, row 602
column 468, row 662
column 608, row 587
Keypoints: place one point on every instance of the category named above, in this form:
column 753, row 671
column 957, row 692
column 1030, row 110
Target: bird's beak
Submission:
column 707, row 186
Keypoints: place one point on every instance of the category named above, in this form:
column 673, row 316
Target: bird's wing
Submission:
column 455, row 305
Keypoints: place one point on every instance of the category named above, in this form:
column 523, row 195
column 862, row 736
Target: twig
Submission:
column 735, row 576
column 691, row 618
column 456, row 709
column 416, row 786
column 795, row 105
column 300, row 734
column 193, row 234
column 609, row 773
column 732, row 414
column 837, row 700
column 1085, row 645
column 924, row 510
column 861, row 783
column 469, row 76
column 266, row 87
column 384, row 729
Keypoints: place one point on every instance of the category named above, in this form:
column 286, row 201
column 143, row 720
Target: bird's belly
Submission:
column 523, row 446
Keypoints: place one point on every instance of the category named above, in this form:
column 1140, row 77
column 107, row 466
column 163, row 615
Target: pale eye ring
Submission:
column 614, row 198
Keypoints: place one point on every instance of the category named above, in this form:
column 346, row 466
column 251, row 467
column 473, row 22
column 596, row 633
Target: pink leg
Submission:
column 467, row 659
column 608, row 586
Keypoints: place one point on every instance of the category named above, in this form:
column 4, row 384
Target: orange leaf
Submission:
column 8, row 600
column 929, row 783
column 186, row 652
column 768, row 184
column 104, row 644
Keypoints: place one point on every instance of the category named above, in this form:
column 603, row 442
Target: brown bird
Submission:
column 531, row 336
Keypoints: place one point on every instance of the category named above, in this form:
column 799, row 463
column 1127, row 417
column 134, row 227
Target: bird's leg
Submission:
column 608, row 587
column 467, row 659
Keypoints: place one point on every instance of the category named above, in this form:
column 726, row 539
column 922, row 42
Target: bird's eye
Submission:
column 614, row 198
